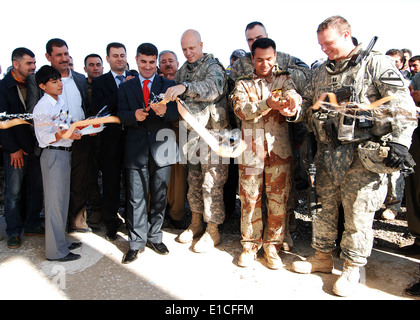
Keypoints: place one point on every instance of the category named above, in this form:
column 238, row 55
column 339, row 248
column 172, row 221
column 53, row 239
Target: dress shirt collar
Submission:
column 70, row 76
column 54, row 103
column 116, row 74
column 141, row 78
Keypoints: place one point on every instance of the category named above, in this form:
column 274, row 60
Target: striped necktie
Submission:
column 121, row 78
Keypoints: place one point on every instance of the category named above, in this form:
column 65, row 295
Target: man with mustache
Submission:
column 168, row 66
column 19, row 159
column 300, row 73
column 268, row 163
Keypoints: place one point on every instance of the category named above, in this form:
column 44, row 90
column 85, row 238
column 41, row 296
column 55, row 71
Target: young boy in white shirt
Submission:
column 55, row 166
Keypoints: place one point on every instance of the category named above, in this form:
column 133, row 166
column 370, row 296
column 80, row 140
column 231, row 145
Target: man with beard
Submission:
column 19, row 160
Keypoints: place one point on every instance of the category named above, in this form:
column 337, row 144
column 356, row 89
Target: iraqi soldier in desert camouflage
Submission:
column 342, row 175
column 300, row 74
column 202, row 86
column 268, row 158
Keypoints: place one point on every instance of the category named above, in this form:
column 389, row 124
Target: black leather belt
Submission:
column 59, row 148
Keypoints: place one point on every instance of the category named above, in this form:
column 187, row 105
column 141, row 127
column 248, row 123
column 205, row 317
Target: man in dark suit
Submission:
column 150, row 151
column 76, row 103
column 19, row 159
column 105, row 93
column 94, row 68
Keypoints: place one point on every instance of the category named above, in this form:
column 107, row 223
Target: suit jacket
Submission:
column 147, row 137
column 35, row 93
column 105, row 93
column 17, row 137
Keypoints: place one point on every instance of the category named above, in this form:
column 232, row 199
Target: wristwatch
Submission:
column 186, row 85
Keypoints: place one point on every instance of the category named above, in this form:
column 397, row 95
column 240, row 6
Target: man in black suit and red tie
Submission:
column 105, row 93
column 150, row 151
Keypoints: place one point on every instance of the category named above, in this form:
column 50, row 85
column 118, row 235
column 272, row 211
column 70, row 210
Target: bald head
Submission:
column 191, row 34
column 192, row 46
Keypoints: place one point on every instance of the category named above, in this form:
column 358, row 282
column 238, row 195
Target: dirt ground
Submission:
column 187, row 276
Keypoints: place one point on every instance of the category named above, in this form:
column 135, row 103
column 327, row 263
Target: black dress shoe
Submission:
column 130, row 256
column 75, row 245
column 69, row 257
column 111, row 231
column 178, row 224
column 410, row 250
column 158, row 247
column 40, row 232
column 111, row 235
column 414, row 290
column 80, row 230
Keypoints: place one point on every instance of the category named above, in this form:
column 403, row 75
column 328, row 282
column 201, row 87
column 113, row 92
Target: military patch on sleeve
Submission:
column 392, row 78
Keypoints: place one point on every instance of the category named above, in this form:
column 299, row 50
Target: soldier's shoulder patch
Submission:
column 391, row 77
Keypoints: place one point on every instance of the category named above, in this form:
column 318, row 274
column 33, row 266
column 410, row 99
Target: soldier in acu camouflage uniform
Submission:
column 268, row 159
column 202, row 86
column 341, row 176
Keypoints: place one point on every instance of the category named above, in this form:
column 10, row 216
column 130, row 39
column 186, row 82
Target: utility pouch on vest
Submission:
column 346, row 127
column 319, row 120
column 363, row 121
column 344, row 94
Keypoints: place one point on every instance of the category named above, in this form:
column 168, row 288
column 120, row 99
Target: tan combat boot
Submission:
column 248, row 256
column 195, row 229
column 209, row 240
column 287, row 242
column 272, row 257
column 347, row 282
column 389, row 214
column 320, row 261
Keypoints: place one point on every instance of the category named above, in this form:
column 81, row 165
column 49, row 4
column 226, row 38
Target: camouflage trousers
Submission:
column 205, row 190
column 396, row 185
column 277, row 179
column 361, row 192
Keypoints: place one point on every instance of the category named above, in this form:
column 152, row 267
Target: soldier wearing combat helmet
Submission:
column 356, row 77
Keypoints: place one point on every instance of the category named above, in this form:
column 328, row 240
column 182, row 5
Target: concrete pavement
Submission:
column 185, row 275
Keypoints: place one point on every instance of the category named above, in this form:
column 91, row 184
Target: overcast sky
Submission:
column 88, row 26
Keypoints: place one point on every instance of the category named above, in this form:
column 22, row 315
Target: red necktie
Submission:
column 146, row 92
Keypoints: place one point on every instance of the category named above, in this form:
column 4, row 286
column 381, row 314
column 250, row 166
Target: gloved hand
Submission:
column 396, row 156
